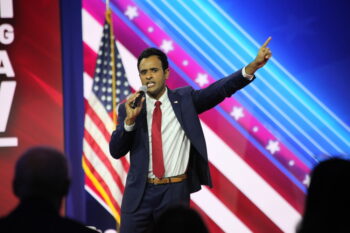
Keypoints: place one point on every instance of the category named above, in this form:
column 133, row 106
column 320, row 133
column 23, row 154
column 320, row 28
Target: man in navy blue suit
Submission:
column 168, row 156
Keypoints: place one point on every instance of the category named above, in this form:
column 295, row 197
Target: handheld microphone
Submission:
column 137, row 100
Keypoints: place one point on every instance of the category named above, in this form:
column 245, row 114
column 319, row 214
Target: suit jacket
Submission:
column 187, row 103
column 38, row 216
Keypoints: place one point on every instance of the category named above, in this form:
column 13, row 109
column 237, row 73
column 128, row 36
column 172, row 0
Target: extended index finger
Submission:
column 267, row 42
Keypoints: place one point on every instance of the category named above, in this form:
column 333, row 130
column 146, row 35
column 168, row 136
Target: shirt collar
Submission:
column 163, row 99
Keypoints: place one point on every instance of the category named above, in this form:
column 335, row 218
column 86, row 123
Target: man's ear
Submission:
column 167, row 73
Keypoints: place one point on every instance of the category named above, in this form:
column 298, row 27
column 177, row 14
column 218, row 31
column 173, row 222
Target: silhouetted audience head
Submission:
column 179, row 219
column 41, row 173
column 327, row 207
column 41, row 181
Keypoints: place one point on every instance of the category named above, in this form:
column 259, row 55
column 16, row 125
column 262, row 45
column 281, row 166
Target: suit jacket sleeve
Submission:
column 212, row 95
column 121, row 140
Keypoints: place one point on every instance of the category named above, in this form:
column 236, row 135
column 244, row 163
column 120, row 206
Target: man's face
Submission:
column 153, row 76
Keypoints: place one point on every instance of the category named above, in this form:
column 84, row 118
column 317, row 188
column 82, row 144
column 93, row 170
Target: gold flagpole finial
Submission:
column 107, row 5
column 108, row 12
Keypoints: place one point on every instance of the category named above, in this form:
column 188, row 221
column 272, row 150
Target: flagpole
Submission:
column 109, row 19
column 112, row 45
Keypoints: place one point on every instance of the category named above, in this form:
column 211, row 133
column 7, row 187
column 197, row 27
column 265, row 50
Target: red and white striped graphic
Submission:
column 249, row 194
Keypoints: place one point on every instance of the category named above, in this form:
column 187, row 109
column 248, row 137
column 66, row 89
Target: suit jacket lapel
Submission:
column 195, row 135
column 175, row 101
column 144, row 129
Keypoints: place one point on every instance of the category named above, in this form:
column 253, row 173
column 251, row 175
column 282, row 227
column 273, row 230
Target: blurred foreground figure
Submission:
column 327, row 207
column 179, row 219
column 41, row 181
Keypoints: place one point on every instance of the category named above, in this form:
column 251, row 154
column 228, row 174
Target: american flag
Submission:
column 105, row 176
column 261, row 147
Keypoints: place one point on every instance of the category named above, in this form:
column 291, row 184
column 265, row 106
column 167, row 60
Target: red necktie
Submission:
column 157, row 148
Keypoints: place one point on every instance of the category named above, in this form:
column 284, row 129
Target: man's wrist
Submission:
column 247, row 76
column 251, row 68
column 129, row 127
column 129, row 121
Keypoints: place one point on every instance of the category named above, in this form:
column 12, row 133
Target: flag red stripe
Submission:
column 90, row 58
column 252, row 156
column 103, row 184
column 96, row 148
column 97, row 120
column 239, row 204
column 89, row 183
column 211, row 225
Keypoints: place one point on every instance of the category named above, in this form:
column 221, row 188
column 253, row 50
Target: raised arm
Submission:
column 212, row 95
column 261, row 58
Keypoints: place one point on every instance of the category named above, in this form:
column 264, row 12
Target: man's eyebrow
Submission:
column 152, row 68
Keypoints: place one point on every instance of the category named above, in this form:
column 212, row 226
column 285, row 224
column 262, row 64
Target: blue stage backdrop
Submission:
column 262, row 142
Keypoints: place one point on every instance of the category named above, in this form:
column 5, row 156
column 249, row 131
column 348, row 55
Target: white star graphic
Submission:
column 273, row 146
column 306, row 180
column 202, row 79
column 185, row 63
column 131, row 12
column 291, row 163
column 237, row 113
column 150, row 29
column 255, row 129
column 167, row 46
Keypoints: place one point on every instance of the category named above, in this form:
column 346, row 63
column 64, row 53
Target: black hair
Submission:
column 327, row 203
column 179, row 218
column 41, row 172
column 154, row 52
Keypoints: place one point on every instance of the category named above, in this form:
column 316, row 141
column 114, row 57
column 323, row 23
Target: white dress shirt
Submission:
column 176, row 146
